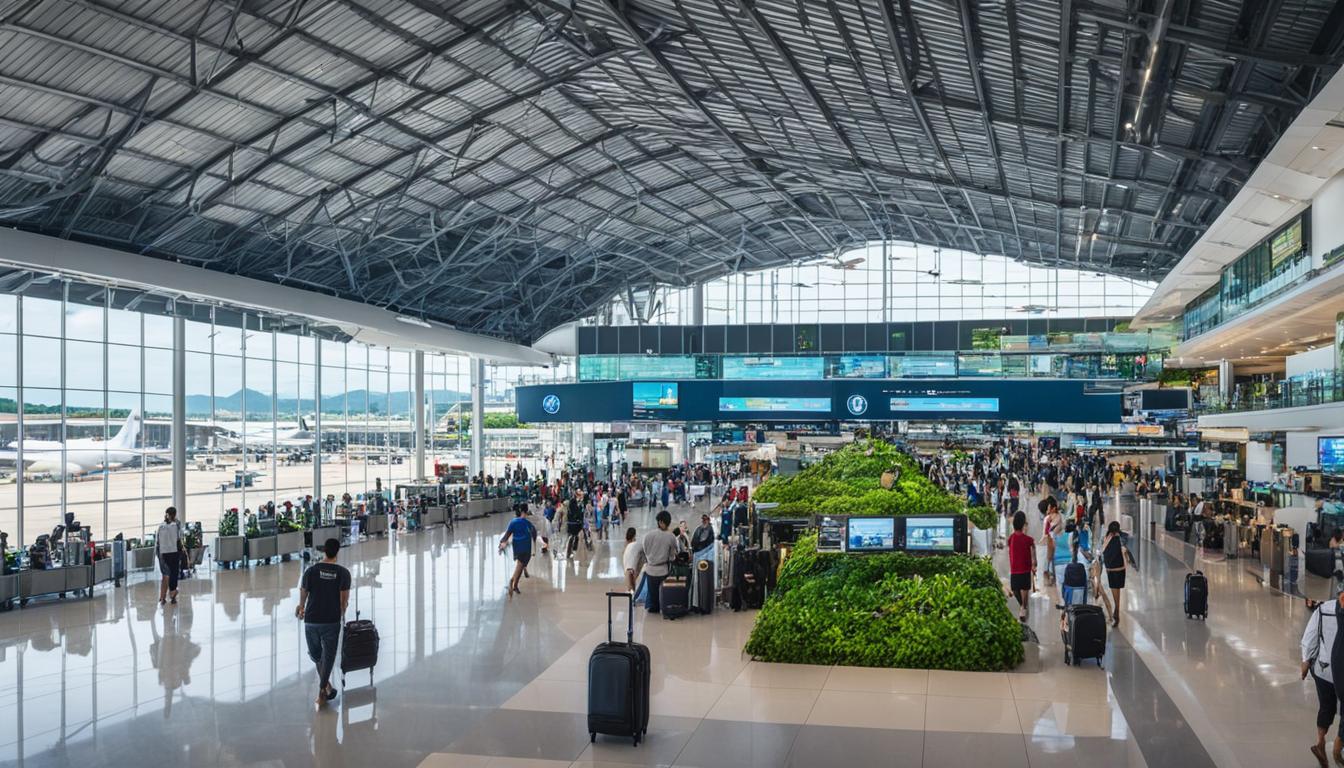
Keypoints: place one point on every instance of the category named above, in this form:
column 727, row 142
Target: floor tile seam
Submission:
column 1185, row 700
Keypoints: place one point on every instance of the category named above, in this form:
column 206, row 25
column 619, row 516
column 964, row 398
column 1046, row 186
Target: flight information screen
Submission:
column 775, row 404
column 946, row 404
column 764, row 367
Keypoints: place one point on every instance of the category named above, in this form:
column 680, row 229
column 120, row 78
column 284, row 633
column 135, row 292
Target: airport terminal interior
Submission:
column 578, row 383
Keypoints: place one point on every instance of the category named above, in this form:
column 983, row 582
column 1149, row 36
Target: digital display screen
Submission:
column 915, row 366
column 980, row 365
column 930, row 534
column 599, row 368
column 857, row 367
column 871, row 534
column 831, row 534
column 775, row 404
column 774, row 368
column 1286, row 242
column 1331, row 452
column 946, row 404
column 650, row 397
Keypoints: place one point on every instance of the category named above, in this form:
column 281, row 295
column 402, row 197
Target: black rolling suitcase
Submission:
column 618, row 682
column 674, row 594
column 359, row 645
column 1196, row 595
column 702, row 596
column 1084, row 633
column 748, row 581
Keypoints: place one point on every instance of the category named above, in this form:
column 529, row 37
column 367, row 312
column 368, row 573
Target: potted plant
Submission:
column 289, row 537
column 230, row 548
column 259, row 547
column 194, row 540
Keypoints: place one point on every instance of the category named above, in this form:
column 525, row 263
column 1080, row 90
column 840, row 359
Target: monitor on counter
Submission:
column 933, row 533
column 871, row 534
column 831, row 533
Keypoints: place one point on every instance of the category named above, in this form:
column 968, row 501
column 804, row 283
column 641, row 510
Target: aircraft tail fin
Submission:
column 129, row 432
column 303, row 424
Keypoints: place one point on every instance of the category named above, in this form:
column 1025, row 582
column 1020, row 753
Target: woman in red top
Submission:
column 1021, row 563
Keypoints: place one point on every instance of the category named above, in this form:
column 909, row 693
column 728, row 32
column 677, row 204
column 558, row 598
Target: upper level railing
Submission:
column 1318, row 388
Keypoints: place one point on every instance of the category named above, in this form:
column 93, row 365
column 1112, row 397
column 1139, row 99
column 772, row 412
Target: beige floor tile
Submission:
column 1044, row 718
column 672, row 697
column 878, row 680
column 866, row 709
column 711, row 665
column 525, row 762
column 959, row 714
column 451, row 760
column 980, row 685
column 759, row 674
column 550, row 696
column 1067, row 684
column 762, row 705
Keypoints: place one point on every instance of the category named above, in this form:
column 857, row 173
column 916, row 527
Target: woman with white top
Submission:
column 168, row 542
column 1318, row 660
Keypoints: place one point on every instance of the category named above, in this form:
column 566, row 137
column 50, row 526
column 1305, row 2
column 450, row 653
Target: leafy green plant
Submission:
column 849, row 482
column 251, row 530
column 887, row 610
column 228, row 524
column 983, row 518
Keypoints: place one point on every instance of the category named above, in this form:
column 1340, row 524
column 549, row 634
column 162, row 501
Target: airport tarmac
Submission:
column 136, row 499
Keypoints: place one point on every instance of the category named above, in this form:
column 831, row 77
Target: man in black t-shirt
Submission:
column 324, row 594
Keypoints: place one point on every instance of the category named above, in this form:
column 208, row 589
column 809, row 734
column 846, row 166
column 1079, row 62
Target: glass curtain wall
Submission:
column 921, row 283
column 96, row 406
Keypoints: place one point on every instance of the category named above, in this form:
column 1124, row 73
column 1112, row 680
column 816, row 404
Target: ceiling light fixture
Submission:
column 413, row 321
column 1318, row 148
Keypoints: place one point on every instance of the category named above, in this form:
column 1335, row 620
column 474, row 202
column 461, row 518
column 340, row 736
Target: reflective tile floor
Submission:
column 468, row 677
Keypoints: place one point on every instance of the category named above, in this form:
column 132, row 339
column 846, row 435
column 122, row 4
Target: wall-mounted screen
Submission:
column 1286, row 242
column 856, row 367
column 946, row 404
column 980, row 365
column 831, row 534
column 1331, row 453
column 764, row 367
column 652, row 399
column 775, row 404
column 925, row 366
column 930, row 534
column 871, row 534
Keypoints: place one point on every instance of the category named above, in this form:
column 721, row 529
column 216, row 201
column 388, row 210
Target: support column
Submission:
column 317, row 422
column 419, row 373
column 477, row 416
column 1226, row 379
column 177, row 441
column 19, row 436
column 698, row 305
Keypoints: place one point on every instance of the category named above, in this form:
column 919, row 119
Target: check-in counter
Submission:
column 474, row 508
column 262, row 548
column 55, row 581
column 433, row 516
column 289, row 543
column 320, row 535
column 375, row 524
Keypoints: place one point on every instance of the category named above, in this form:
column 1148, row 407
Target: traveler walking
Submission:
column 168, row 542
column 1021, row 563
column 521, row 532
column 1319, row 650
column 324, row 594
column 1113, row 558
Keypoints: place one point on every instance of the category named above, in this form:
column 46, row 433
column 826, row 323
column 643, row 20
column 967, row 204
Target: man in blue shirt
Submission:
column 521, row 532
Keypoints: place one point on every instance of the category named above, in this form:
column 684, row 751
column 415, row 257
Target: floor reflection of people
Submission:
column 173, row 652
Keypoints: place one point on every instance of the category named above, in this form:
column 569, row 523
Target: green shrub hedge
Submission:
column 849, row 482
column 887, row 610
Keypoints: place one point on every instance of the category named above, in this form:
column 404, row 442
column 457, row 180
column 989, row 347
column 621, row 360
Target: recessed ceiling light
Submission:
column 1129, row 126
column 1318, row 148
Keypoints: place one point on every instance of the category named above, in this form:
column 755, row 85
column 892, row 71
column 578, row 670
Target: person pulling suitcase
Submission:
column 324, row 595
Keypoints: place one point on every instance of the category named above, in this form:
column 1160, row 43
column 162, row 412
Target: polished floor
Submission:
column 468, row 677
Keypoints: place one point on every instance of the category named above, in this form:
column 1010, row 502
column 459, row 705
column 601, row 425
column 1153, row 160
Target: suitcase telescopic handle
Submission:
column 630, row 614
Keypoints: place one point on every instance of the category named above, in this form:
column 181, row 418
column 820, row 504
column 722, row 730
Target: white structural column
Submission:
column 1226, row 384
column 419, row 418
column 477, row 415
column 178, row 439
column 698, row 304
column 317, row 420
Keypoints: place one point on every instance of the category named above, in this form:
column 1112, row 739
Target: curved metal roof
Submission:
column 507, row 166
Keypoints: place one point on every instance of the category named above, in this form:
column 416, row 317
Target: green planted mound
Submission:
column 849, row 482
column 881, row 610
column 887, row 610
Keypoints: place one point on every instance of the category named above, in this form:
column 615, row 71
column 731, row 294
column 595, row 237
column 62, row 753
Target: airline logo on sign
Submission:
column 857, row 405
column 550, row 404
